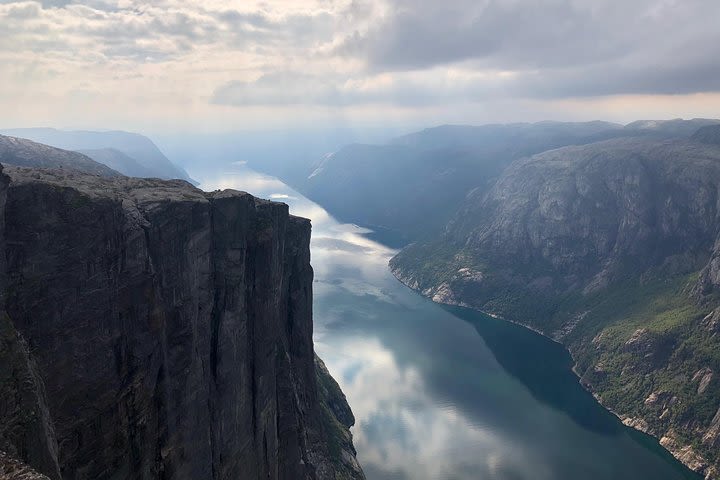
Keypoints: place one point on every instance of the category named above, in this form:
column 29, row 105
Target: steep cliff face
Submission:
column 171, row 329
column 612, row 249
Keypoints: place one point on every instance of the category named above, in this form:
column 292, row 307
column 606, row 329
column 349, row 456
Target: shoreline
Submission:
column 630, row 422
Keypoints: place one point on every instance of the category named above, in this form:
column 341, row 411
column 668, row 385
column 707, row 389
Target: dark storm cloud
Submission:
column 571, row 47
column 408, row 53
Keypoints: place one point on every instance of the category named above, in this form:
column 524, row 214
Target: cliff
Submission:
column 612, row 249
column 157, row 331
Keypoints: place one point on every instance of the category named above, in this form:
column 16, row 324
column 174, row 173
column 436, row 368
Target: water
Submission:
column 446, row 393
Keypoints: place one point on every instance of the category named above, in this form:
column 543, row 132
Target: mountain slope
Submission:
column 118, row 161
column 532, row 136
column 677, row 127
column 611, row 248
column 709, row 134
column 25, row 153
column 139, row 148
column 412, row 185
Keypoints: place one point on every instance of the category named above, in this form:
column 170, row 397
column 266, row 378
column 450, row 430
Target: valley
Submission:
column 438, row 392
column 607, row 247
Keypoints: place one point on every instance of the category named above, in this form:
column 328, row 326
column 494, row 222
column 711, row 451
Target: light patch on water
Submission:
column 281, row 196
column 399, row 423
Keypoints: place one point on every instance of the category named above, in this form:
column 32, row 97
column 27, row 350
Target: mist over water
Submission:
column 444, row 393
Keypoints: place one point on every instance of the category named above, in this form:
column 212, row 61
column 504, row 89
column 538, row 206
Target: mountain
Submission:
column 25, row 153
column 412, row 185
column 613, row 249
column 152, row 330
column 139, row 148
column 709, row 134
column 118, row 161
column 532, row 136
column 677, row 127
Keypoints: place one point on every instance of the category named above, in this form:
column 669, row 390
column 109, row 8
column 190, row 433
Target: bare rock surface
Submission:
column 170, row 329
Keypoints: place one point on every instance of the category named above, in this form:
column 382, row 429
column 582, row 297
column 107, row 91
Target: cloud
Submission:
column 405, row 89
column 571, row 47
column 175, row 59
column 424, row 52
column 530, row 33
column 138, row 30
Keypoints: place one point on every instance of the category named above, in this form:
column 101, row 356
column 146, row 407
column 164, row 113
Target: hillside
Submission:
column 118, row 161
column 25, row 153
column 409, row 187
column 611, row 248
column 137, row 147
column 709, row 135
column 412, row 185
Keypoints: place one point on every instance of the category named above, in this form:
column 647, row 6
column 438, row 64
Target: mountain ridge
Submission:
column 136, row 146
column 26, row 153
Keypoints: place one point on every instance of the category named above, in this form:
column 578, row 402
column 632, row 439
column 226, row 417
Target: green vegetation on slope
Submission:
column 641, row 344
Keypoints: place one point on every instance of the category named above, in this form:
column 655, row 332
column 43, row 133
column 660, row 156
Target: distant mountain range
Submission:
column 410, row 186
column 26, row 153
column 129, row 153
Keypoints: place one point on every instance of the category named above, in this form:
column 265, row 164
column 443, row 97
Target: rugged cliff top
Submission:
column 178, row 320
column 12, row 469
column 140, row 191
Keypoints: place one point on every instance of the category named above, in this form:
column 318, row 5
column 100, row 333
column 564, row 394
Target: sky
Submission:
column 216, row 65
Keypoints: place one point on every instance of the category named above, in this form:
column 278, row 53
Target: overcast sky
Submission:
column 218, row 65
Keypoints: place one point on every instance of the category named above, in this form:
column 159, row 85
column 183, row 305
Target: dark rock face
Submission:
column 27, row 430
column 172, row 329
column 25, row 153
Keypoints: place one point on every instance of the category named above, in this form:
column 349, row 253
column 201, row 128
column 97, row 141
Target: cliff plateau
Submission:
column 155, row 331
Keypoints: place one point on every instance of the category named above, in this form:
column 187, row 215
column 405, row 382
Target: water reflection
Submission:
column 446, row 393
column 544, row 368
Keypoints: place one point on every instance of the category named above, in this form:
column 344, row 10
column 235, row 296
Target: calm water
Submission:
column 446, row 393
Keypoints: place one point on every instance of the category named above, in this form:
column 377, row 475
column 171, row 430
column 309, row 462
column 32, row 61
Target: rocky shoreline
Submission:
column 683, row 453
